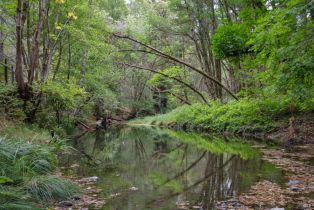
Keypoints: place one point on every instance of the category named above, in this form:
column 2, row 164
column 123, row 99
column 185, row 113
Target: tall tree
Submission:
column 34, row 52
column 19, row 65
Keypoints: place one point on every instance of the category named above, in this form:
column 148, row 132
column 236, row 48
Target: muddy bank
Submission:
column 298, row 129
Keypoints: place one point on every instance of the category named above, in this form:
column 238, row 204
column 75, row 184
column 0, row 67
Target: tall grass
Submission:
column 26, row 179
column 47, row 188
column 18, row 130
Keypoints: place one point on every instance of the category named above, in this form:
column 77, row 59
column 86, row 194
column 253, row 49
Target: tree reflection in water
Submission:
column 167, row 167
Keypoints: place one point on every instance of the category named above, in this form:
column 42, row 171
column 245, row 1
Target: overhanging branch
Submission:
column 177, row 60
column 167, row 76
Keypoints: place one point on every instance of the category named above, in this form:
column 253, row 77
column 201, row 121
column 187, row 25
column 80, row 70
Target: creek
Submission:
column 143, row 168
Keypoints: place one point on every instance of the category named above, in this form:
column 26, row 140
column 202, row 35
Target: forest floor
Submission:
column 18, row 131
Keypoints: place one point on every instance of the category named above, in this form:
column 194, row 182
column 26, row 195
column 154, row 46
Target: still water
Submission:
column 144, row 168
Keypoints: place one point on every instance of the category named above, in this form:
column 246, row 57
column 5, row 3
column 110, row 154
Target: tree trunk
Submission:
column 216, row 62
column 99, row 111
column 47, row 58
column 59, row 61
column 49, row 48
column 218, row 77
column 34, row 54
column 69, row 57
column 6, row 79
column 12, row 75
column 83, row 69
column 19, row 66
column 1, row 42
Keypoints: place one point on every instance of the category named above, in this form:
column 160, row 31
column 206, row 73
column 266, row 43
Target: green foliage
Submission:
column 5, row 180
column 175, row 186
column 157, row 79
column 116, row 9
column 25, row 176
column 217, row 145
column 58, row 99
column 62, row 96
column 283, row 43
column 47, row 188
column 24, row 159
column 230, row 40
column 246, row 115
column 10, row 105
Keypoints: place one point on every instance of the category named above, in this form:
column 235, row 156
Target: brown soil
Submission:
column 298, row 129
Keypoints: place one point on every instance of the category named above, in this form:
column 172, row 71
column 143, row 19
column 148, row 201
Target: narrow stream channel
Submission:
column 143, row 168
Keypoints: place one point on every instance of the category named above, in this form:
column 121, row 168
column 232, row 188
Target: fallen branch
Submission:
column 84, row 125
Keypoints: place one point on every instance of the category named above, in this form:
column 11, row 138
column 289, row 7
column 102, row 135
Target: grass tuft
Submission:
column 26, row 176
column 47, row 188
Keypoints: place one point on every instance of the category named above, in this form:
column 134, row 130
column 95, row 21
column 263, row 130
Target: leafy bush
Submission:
column 58, row 99
column 246, row 115
column 10, row 104
column 230, row 40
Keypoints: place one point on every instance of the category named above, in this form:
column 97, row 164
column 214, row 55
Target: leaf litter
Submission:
column 295, row 194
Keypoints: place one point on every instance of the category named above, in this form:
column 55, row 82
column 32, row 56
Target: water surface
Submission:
column 144, row 168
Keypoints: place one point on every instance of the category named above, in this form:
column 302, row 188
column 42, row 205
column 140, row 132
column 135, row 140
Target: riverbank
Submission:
column 270, row 119
column 96, row 167
column 30, row 176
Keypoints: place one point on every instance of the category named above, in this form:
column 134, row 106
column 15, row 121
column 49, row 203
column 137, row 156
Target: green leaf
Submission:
column 5, row 180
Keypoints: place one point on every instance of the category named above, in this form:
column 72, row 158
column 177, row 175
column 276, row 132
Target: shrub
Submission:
column 246, row 115
column 10, row 105
column 230, row 40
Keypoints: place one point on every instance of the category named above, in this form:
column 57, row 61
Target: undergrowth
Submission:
column 18, row 130
column 246, row 115
column 26, row 176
